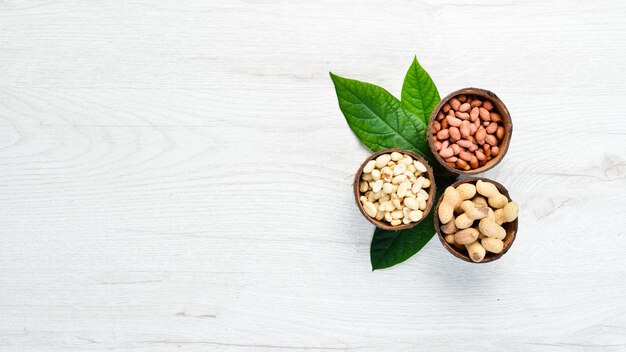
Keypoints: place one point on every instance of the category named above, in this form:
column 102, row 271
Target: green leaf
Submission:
column 419, row 93
column 389, row 248
column 378, row 118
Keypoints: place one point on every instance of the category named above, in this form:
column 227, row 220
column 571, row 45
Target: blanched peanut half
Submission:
column 382, row 160
column 416, row 215
column 398, row 179
column 397, row 214
column 387, row 188
column 386, row 206
column 407, row 160
column 386, row 173
column 399, row 169
column 370, row 209
column 410, row 176
column 395, row 156
column 422, row 203
column 403, row 188
column 419, row 166
column 377, row 186
column 363, row 186
column 411, row 203
column 417, row 185
column 476, row 251
column 375, row 175
column 492, row 245
column 369, row 166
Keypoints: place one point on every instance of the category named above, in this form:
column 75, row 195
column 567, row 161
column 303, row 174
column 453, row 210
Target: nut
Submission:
column 382, row 160
column 377, row 186
column 492, row 245
column 466, row 190
column 415, row 215
column 398, row 170
column 498, row 201
column 489, row 190
column 451, row 199
column 509, row 212
column 486, row 189
column 419, row 166
column 449, row 228
column 476, row 251
column 370, row 208
column 466, row 236
column 446, row 152
column 369, row 167
column 489, row 228
column 471, row 213
column 395, row 156
column 411, row 203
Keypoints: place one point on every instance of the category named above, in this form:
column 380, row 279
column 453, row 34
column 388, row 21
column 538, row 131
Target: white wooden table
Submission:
column 176, row 175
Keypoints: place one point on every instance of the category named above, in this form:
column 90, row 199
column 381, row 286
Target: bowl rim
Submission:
column 431, row 191
column 511, row 227
column 503, row 145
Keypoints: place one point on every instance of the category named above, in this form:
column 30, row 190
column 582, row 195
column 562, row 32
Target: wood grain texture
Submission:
column 177, row 176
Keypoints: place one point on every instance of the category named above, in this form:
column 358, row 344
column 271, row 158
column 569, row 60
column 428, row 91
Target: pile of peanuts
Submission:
column 462, row 206
column 468, row 132
column 392, row 188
